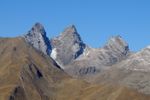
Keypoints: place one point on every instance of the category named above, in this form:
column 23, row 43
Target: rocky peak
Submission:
column 71, row 32
column 68, row 46
column 117, row 44
column 70, row 29
column 36, row 36
column 38, row 29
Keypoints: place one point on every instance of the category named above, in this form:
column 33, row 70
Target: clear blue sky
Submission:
column 96, row 20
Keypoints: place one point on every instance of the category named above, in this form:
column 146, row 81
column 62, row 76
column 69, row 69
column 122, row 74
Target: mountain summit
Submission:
column 36, row 36
column 68, row 46
column 116, row 43
column 70, row 30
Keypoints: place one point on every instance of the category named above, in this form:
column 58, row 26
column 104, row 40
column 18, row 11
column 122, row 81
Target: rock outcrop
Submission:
column 132, row 72
column 100, row 59
column 38, row 39
column 68, row 46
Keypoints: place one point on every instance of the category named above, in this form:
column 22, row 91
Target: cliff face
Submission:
column 96, row 60
column 78, row 59
column 68, row 46
column 36, row 36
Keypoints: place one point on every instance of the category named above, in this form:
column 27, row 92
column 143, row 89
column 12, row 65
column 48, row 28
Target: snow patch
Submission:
column 86, row 53
column 54, row 53
column 54, row 56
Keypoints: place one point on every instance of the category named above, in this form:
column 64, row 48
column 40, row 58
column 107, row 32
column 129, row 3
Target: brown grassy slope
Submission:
column 26, row 74
column 106, row 92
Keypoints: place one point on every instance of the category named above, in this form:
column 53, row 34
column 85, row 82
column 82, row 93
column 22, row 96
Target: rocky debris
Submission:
column 68, row 46
column 132, row 72
column 138, row 61
column 38, row 39
column 103, row 58
column 136, row 79
column 88, row 70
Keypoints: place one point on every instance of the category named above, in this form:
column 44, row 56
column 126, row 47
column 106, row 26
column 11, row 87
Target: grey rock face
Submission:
column 138, row 61
column 116, row 49
column 100, row 59
column 118, row 45
column 133, row 72
column 88, row 70
column 68, row 46
column 38, row 39
column 75, row 57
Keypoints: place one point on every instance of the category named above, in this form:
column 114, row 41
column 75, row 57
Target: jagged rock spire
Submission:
column 38, row 29
column 71, row 32
column 68, row 45
column 36, row 36
column 116, row 43
column 70, row 29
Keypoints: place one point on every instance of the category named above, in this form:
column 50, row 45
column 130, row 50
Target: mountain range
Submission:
column 34, row 67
